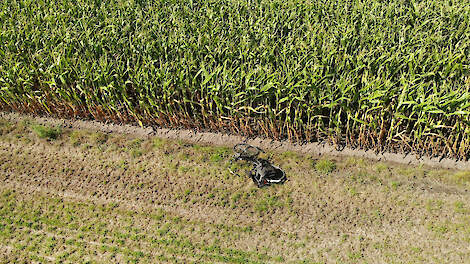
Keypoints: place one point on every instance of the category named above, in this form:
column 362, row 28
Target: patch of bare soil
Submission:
column 114, row 197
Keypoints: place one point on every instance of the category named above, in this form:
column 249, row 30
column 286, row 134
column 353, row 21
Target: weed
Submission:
column 76, row 138
column 123, row 164
column 158, row 143
column 378, row 214
column 354, row 256
column 220, row 153
column 325, row 166
column 438, row 229
column 136, row 143
column 99, row 138
column 184, row 169
column 236, row 197
column 353, row 191
column 360, row 176
column 416, row 249
column 434, row 205
column 135, row 153
column 355, row 162
column 395, row 185
column 216, row 157
column 47, row 132
column 459, row 207
column 381, row 167
column 289, row 155
column 5, row 127
column 461, row 177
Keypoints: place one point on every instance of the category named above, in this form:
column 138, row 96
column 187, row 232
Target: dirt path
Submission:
column 120, row 198
column 316, row 149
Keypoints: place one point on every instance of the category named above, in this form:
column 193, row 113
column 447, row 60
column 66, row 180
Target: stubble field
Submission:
column 77, row 196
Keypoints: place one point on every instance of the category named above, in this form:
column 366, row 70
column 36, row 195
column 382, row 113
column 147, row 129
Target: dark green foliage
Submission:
column 370, row 74
column 46, row 132
column 325, row 166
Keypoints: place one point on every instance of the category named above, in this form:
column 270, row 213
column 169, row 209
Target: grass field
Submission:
column 75, row 196
column 384, row 75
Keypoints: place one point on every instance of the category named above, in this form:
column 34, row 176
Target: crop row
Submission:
column 388, row 75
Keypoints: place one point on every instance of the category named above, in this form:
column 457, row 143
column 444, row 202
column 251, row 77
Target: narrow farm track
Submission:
column 115, row 198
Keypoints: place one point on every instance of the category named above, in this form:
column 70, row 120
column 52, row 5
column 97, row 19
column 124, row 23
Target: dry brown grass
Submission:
column 115, row 198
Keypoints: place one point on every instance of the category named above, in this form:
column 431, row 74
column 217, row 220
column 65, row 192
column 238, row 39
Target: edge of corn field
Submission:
column 222, row 139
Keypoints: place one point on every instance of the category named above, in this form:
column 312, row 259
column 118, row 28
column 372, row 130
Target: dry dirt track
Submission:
column 117, row 198
column 198, row 137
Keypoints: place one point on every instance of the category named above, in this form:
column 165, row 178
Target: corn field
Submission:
column 383, row 75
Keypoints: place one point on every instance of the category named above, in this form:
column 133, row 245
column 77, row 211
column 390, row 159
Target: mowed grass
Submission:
column 88, row 197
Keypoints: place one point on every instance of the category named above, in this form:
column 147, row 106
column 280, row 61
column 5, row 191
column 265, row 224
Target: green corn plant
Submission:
column 384, row 75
